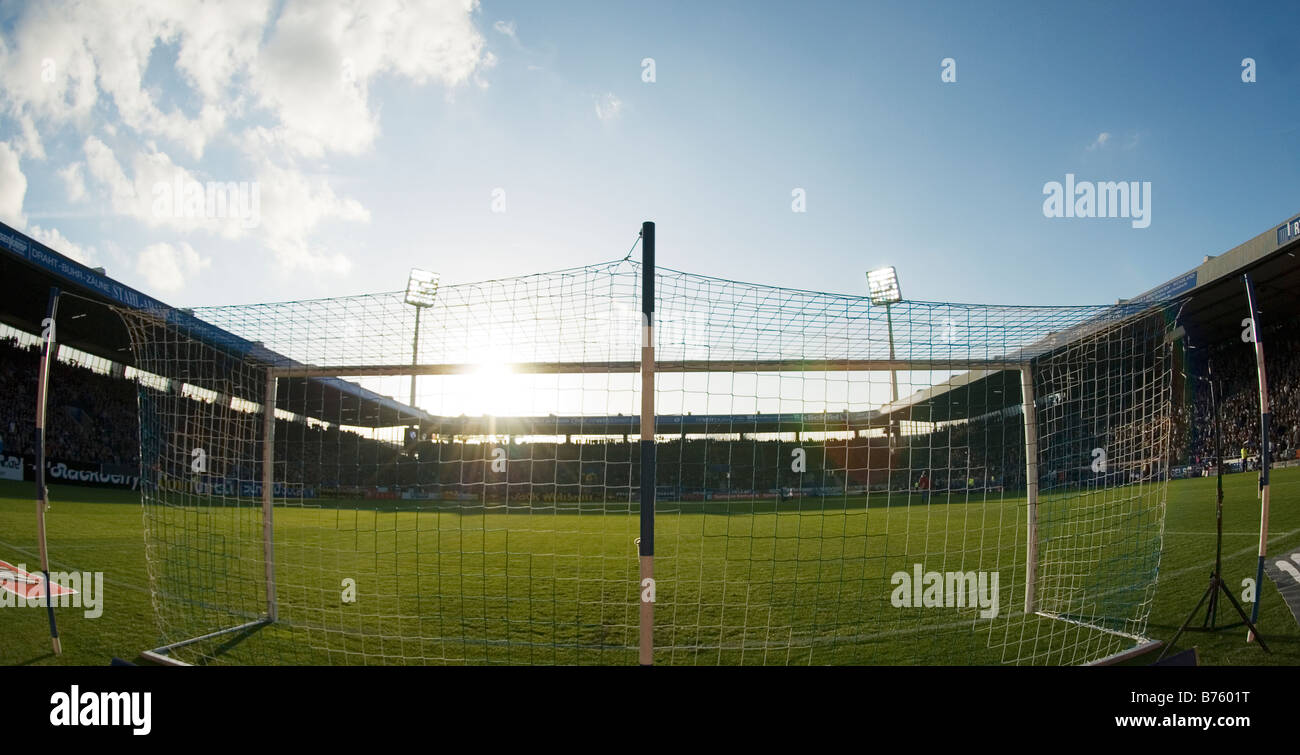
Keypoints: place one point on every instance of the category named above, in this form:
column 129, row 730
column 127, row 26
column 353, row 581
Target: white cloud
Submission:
column 105, row 169
column 74, row 181
column 608, row 107
column 169, row 268
column 13, row 187
column 1100, row 142
column 280, row 82
column 316, row 68
column 507, row 28
column 158, row 193
column 86, row 255
column 293, row 204
column 30, row 143
column 70, row 57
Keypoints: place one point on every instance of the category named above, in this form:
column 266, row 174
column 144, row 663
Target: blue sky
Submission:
column 377, row 136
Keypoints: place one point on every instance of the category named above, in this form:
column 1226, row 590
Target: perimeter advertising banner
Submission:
column 1285, row 572
column 11, row 468
column 82, row 473
column 59, row 472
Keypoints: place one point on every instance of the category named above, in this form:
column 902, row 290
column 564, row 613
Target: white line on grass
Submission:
column 69, row 567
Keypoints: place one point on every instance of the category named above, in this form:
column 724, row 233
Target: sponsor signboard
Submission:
column 1285, row 572
column 80, row 473
column 11, row 468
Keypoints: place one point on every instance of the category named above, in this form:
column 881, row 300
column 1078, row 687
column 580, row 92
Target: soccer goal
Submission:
column 617, row 464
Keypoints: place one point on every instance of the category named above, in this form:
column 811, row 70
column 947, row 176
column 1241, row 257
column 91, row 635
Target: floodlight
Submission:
column 422, row 288
column 883, row 286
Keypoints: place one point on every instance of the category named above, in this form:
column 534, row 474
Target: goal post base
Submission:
column 1150, row 646
column 162, row 655
column 1143, row 644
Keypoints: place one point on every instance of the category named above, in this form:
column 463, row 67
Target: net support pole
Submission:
column 647, row 540
column 1031, row 487
column 49, row 346
column 415, row 353
column 893, row 374
column 268, row 493
column 1264, row 456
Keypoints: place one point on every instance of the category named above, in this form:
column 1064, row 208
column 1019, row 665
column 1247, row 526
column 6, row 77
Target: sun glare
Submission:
column 488, row 386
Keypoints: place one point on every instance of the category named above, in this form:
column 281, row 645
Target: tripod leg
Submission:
column 1242, row 613
column 1214, row 582
column 1212, row 610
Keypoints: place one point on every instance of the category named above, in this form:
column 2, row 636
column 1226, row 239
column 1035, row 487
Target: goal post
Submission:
column 623, row 464
column 1031, row 484
column 646, row 540
column 268, row 492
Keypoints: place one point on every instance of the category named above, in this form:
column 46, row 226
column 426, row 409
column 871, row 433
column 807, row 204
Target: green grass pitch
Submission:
column 804, row 585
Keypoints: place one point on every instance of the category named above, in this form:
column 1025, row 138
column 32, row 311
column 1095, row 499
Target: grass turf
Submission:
column 790, row 586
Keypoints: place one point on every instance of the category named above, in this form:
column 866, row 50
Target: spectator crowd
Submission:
column 92, row 419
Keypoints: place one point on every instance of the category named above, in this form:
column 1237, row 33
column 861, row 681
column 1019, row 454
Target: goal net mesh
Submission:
column 837, row 482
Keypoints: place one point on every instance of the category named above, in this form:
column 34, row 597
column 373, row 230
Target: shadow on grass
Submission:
column 37, row 659
column 229, row 643
column 232, row 641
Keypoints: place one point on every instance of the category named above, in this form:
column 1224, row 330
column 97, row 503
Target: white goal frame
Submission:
column 162, row 655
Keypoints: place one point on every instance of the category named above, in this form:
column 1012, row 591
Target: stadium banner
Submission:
column 1285, row 571
column 249, row 489
column 278, row 490
column 1288, row 231
column 81, row 473
column 1170, row 289
column 233, row 488
column 11, row 468
column 67, row 270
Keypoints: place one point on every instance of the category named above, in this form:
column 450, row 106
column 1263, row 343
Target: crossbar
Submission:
column 634, row 366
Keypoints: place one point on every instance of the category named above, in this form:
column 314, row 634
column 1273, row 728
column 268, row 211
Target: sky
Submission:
column 794, row 144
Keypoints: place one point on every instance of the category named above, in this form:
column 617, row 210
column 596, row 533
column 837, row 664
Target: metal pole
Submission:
column 893, row 374
column 647, row 540
column 268, row 493
column 49, row 346
column 415, row 353
column 1264, row 459
column 1031, row 487
column 1213, row 609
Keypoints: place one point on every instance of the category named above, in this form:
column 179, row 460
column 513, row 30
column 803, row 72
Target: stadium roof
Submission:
column 28, row 269
column 1213, row 302
column 1211, row 296
column 695, row 424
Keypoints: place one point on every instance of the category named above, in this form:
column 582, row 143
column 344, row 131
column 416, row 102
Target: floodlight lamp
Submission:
column 882, row 284
column 422, row 288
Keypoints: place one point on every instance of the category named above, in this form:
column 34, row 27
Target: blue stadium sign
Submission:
column 1288, row 231
column 1169, row 290
column 68, row 271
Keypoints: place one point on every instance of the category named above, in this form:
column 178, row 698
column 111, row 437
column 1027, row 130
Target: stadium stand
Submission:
column 93, row 416
column 93, row 422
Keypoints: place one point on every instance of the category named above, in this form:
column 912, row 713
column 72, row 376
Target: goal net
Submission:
column 360, row 480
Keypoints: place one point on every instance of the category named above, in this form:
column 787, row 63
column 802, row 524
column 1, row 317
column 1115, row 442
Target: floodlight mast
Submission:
column 882, row 283
column 421, row 290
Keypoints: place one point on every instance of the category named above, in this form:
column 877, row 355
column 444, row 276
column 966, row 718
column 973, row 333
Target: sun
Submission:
column 488, row 386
